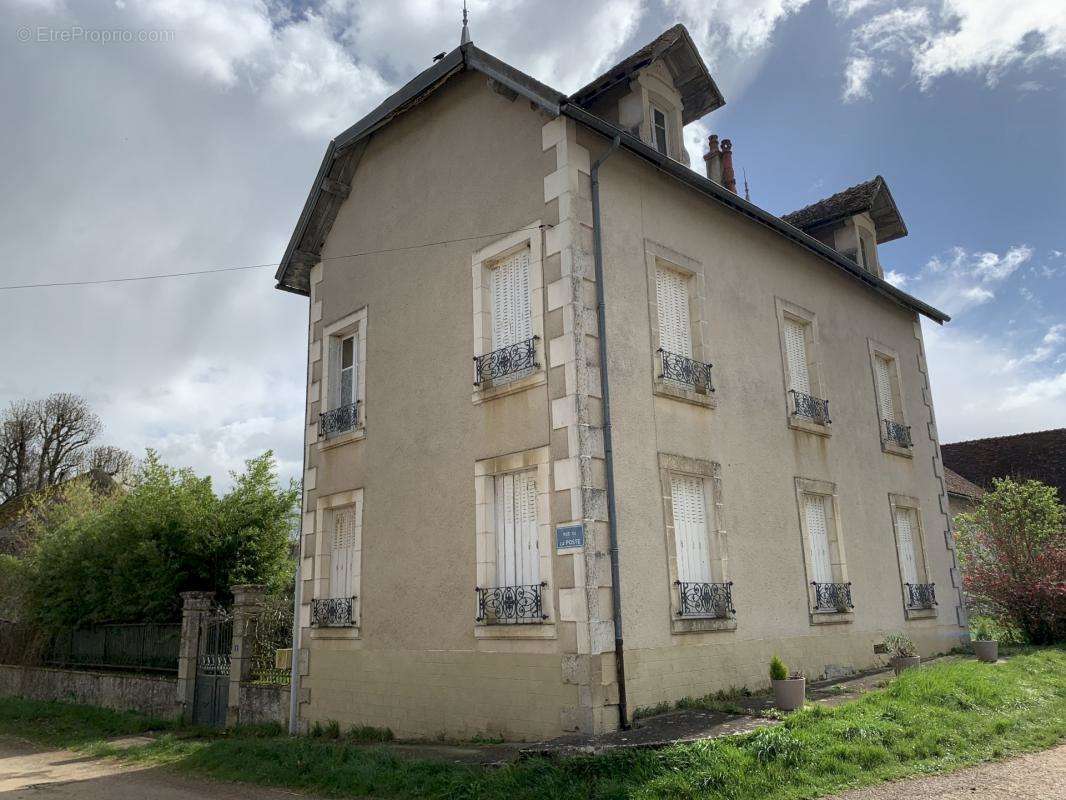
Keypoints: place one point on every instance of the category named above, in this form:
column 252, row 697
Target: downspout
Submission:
column 608, row 449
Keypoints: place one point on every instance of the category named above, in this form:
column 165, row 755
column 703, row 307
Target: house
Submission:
column 16, row 514
column 963, row 495
column 1040, row 455
column 586, row 431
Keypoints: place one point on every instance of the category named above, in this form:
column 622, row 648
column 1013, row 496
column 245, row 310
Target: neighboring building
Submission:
column 16, row 514
column 963, row 495
column 459, row 574
column 1040, row 455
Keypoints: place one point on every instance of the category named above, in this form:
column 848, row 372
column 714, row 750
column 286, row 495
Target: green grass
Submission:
column 942, row 717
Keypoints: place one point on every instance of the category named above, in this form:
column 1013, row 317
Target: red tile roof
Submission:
column 1040, row 455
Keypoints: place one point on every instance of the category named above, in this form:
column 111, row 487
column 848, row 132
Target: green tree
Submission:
column 1013, row 553
column 127, row 557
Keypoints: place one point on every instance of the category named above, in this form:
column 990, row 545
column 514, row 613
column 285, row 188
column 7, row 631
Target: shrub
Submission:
column 127, row 557
column 778, row 670
column 900, row 646
column 1013, row 553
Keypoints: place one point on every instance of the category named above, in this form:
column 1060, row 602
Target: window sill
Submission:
column 532, row 630
column 919, row 613
column 354, row 435
column 696, row 398
column 809, row 426
column 491, row 392
column 832, row 617
column 897, row 450
column 702, row 624
column 336, row 632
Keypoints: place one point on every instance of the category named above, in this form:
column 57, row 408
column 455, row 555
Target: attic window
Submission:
column 658, row 129
column 864, row 261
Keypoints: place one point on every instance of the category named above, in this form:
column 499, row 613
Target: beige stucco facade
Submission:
column 470, row 172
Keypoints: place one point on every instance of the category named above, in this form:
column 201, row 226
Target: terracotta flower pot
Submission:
column 790, row 693
column 900, row 663
column 986, row 650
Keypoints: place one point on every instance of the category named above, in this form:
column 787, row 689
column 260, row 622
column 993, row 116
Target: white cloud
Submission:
column 897, row 279
column 857, row 76
column 960, row 280
column 942, row 37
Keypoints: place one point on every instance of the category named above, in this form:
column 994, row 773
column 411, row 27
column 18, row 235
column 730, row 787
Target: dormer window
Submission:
column 658, row 130
column 864, row 259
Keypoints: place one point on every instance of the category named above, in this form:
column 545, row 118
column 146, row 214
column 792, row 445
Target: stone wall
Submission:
column 148, row 694
column 263, row 704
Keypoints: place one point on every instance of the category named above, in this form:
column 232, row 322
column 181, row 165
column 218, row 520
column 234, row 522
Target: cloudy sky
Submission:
column 192, row 147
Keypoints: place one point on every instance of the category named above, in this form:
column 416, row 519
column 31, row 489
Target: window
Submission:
column 672, row 297
column 886, row 402
column 658, row 124
column 515, row 517
column 906, row 526
column 513, row 533
column 891, row 417
column 829, row 592
column 343, row 412
column 919, row 596
column 508, row 318
column 337, row 572
column 818, row 532
column 690, row 529
column 701, row 596
column 343, row 567
column 796, row 352
column 864, row 260
column 807, row 408
column 512, row 321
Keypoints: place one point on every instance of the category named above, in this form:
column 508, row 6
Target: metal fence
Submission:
column 146, row 646
column 270, row 644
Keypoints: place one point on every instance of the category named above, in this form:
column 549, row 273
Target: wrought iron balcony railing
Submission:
column 506, row 361
column 705, row 599
column 511, row 605
column 921, row 595
column 812, row 408
column 684, row 370
column 333, row 612
column 897, row 433
column 339, row 420
column 832, row 596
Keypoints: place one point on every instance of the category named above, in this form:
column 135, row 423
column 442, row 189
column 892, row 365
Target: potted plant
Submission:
column 902, row 652
column 985, row 646
column 790, row 690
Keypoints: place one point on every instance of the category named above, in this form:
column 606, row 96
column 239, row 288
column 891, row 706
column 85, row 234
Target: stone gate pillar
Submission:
column 194, row 607
column 247, row 606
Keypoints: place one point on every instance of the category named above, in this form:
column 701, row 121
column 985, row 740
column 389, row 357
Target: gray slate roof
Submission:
column 341, row 159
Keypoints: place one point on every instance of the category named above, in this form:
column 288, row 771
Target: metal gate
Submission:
column 212, row 668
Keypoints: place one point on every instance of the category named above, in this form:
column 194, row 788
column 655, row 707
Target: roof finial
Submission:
column 747, row 194
column 465, row 39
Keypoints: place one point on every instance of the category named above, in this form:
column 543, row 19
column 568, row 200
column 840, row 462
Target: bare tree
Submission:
column 66, row 426
column 19, row 449
column 114, row 461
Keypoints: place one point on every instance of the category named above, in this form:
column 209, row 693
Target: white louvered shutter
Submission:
column 905, row 530
column 818, row 530
column 675, row 328
column 885, row 401
column 796, row 353
column 517, row 551
column 346, row 541
column 690, row 529
column 512, row 320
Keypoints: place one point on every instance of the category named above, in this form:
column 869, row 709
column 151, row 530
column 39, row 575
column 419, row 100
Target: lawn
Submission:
column 945, row 716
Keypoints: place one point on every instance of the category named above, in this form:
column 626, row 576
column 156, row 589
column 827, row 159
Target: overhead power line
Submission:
column 215, row 270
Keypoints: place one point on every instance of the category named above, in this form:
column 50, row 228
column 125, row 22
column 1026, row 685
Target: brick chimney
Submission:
column 713, row 159
column 729, row 179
